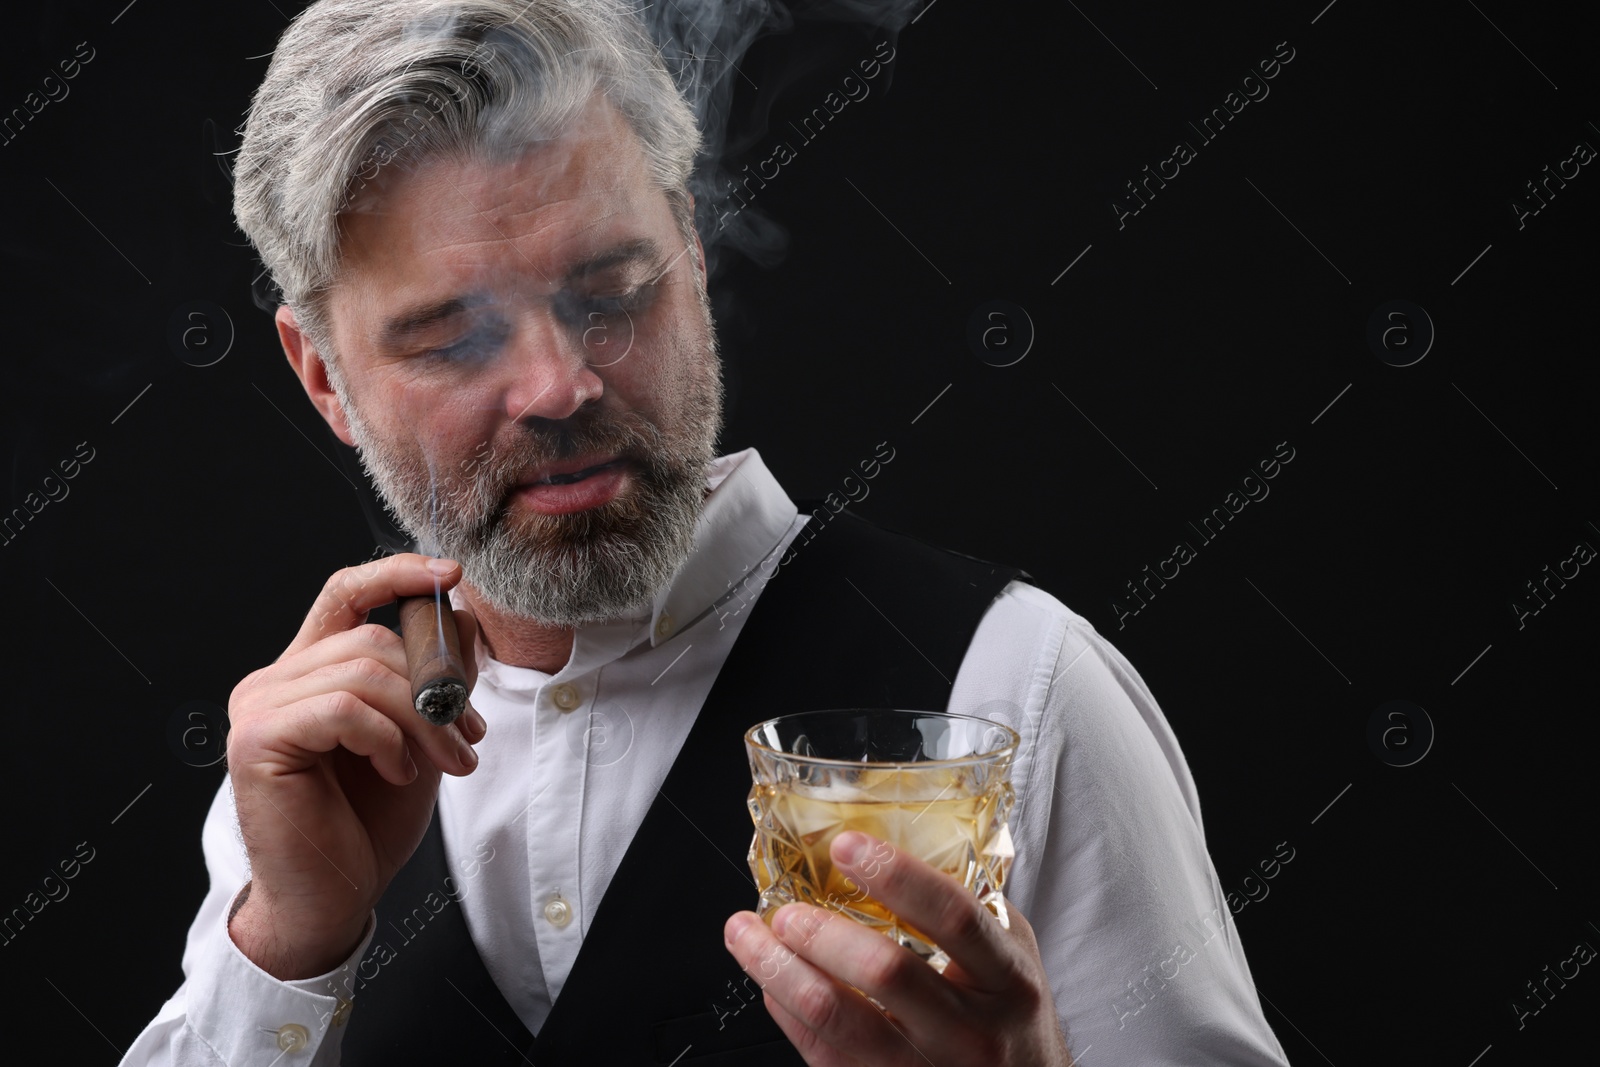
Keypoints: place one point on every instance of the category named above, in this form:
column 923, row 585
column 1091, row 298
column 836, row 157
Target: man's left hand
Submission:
column 992, row 1007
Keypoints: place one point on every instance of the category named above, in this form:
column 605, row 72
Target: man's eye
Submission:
column 475, row 347
column 581, row 310
column 615, row 305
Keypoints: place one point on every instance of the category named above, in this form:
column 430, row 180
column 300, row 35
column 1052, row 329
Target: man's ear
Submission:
column 312, row 371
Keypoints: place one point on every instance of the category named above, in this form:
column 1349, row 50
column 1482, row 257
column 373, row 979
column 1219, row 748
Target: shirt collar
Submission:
column 744, row 519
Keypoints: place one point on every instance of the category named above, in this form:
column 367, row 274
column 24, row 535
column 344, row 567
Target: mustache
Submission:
column 539, row 443
column 590, row 433
column 628, row 435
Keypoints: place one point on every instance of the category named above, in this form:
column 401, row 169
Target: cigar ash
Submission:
column 433, row 658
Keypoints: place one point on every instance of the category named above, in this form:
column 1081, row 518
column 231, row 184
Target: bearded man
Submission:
column 477, row 214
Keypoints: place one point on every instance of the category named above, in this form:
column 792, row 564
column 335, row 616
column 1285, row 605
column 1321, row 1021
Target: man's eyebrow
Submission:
column 414, row 320
column 637, row 250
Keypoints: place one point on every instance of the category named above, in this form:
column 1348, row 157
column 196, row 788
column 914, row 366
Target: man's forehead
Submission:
column 558, row 210
column 594, row 169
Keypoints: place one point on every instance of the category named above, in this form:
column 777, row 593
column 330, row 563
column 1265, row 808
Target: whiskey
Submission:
column 952, row 817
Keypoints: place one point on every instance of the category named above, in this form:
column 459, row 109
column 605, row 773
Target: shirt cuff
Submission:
column 248, row 1016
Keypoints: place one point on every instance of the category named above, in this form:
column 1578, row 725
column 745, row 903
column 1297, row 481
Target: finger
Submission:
column 833, row 1016
column 369, row 664
column 328, row 721
column 349, row 595
column 811, row 1048
column 913, row 992
column 935, row 904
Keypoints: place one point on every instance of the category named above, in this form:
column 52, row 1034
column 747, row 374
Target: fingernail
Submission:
column 851, row 847
column 441, row 567
column 468, row 756
column 476, row 722
column 734, row 927
column 410, row 768
column 780, row 921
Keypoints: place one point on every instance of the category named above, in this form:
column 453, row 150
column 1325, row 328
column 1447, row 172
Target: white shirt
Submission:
column 1111, row 867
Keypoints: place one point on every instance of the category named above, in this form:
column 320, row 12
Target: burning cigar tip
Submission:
column 442, row 701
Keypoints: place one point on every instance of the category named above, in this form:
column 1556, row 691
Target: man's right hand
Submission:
column 334, row 772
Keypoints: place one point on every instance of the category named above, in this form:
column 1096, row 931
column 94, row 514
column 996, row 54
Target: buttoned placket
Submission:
column 578, row 729
column 562, row 721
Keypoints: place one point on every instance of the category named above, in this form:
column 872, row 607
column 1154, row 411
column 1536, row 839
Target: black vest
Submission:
column 856, row 617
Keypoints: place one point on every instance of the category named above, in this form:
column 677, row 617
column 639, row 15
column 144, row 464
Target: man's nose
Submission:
column 548, row 374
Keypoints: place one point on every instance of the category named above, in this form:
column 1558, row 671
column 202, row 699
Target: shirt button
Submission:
column 292, row 1037
column 566, row 697
column 558, row 912
column 341, row 1011
column 664, row 625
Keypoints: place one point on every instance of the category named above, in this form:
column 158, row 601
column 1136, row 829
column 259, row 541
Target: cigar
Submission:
column 433, row 658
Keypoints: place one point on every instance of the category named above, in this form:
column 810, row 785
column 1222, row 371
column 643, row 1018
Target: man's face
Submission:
column 527, row 362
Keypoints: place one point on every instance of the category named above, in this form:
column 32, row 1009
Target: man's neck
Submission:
column 516, row 641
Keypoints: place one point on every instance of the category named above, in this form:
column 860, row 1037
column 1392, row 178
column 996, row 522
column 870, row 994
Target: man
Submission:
column 478, row 217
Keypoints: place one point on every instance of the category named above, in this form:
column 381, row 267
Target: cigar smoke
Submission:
column 433, row 644
column 703, row 44
column 433, row 658
column 434, row 661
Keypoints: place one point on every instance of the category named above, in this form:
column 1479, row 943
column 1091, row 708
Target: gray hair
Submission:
column 356, row 85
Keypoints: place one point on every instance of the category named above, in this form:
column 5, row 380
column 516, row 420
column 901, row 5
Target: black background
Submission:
column 1221, row 320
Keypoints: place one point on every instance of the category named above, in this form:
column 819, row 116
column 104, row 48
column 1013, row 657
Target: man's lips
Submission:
column 574, row 485
column 569, row 471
